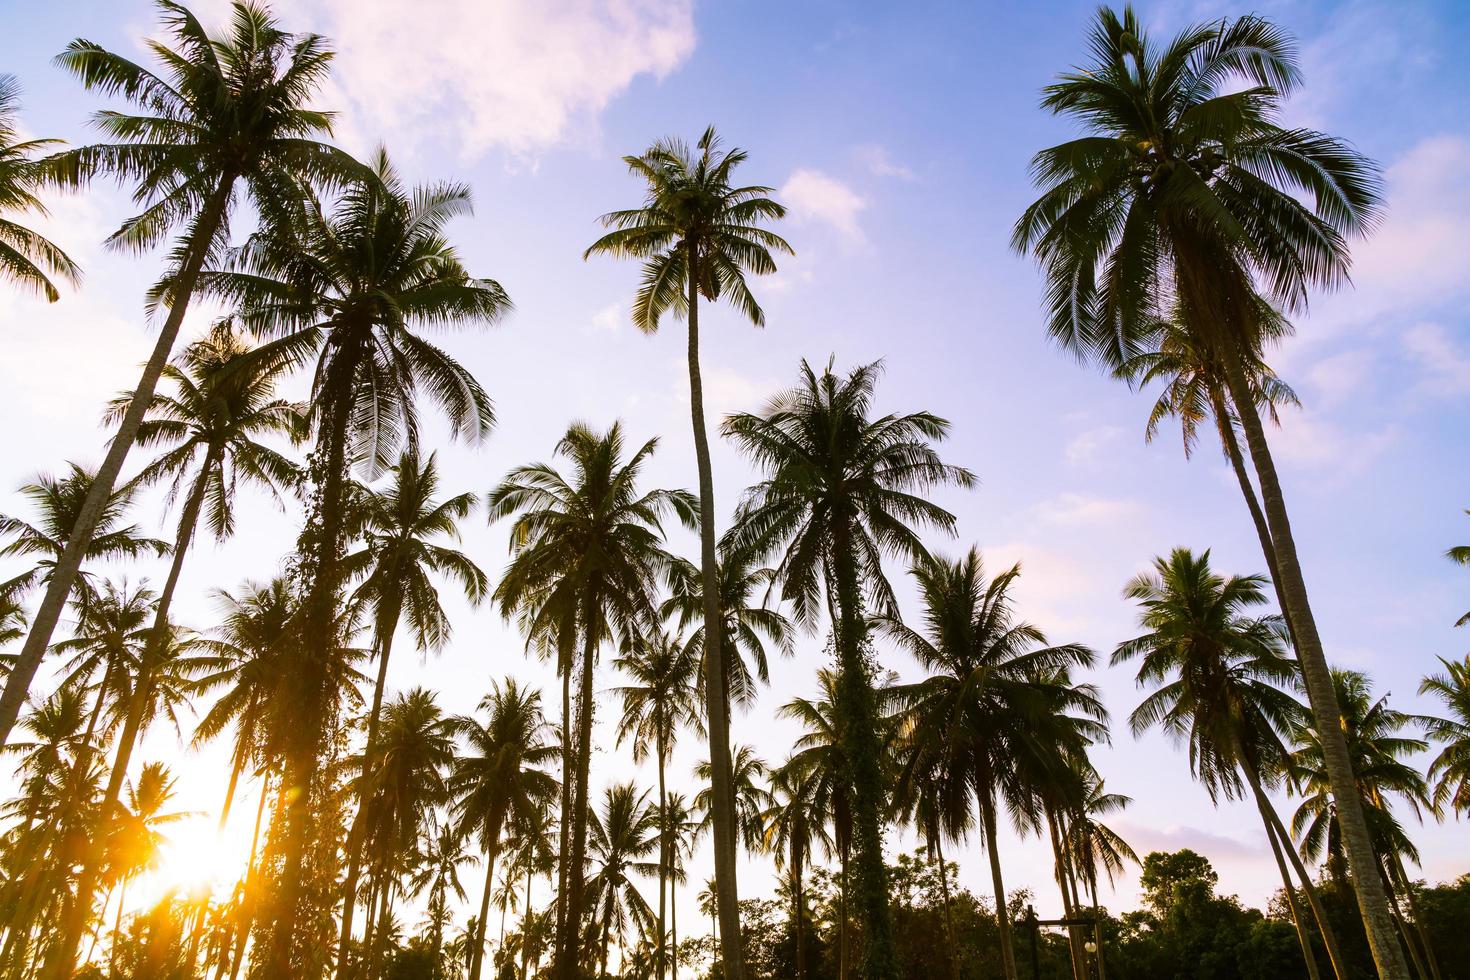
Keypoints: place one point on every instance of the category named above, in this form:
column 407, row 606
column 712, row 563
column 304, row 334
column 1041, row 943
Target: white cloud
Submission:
column 880, row 164
column 1075, row 509
column 1445, row 365
column 1337, row 378
column 1090, row 445
column 516, row 74
column 814, row 196
column 610, row 318
column 1310, row 441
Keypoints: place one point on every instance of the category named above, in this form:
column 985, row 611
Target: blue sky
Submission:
column 899, row 136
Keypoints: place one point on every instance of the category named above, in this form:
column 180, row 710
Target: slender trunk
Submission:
column 1329, row 937
column 384, row 922
column 992, row 848
column 387, row 626
column 949, row 933
column 525, row 929
column 862, row 750
column 79, row 537
column 1419, row 926
column 492, row 848
column 564, row 841
column 1317, row 675
column 1403, row 926
column 122, row 901
column 673, row 924
column 235, row 951
column 1102, row 970
column 606, row 938
column 663, row 858
column 842, row 952
column 722, row 794
column 798, row 901
column 1069, row 907
column 62, row 957
column 235, row 768
column 569, row 955
column 1308, row 955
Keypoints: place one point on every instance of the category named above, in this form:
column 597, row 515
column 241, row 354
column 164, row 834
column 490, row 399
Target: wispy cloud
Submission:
column 814, row 196
column 880, row 164
column 1445, row 365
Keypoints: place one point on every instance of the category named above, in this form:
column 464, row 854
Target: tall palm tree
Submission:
column 842, row 489
column 1223, row 687
column 588, row 557
column 220, row 113
column 353, row 285
column 698, row 235
column 399, row 786
column 661, row 700
column 624, row 835
column 27, row 257
column 1451, row 767
column 792, row 827
column 400, row 557
column 1379, row 747
column 500, row 780
column 678, row 820
column 209, row 430
column 749, row 624
column 752, row 797
column 1186, row 193
column 436, row 871
column 58, row 501
column 998, row 699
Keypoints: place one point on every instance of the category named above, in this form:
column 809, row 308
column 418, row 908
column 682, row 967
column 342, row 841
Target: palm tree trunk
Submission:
column 525, row 928
column 236, row 950
column 492, row 848
column 798, row 900
column 564, row 841
column 722, row 795
column 1372, row 902
column 569, row 954
column 663, row 858
column 1398, row 917
column 235, row 768
column 62, row 956
column 382, row 921
column 79, row 537
column 673, row 923
column 1002, row 914
column 858, row 723
column 122, row 901
column 1069, row 906
column 949, row 933
column 387, row 626
column 1419, row 926
column 1273, row 820
column 1308, row 955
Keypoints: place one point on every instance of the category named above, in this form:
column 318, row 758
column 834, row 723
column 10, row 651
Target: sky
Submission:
column 899, row 137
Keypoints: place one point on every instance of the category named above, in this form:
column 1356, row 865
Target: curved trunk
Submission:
column 1273, row 820
column 862, row 748
column 1308, row 956
column 1317, row 675
column 1002, row 914
column 63, row 954
column 492, row 836
column 1398, row 918
column 1408, row 888
column 722, row 794
column 1069, row 905
column 387, row 626
column 79, row 538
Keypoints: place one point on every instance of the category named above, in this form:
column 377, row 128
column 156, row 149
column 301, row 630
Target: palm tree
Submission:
column 793, row 826
column 1220, row 676
column 1186, row 193
column 137, row 836
column 1451, row 767
column 353, row 285
column 1378, row 748
column 27, row 257
column 698, row 235
column 224, row 401
column 1091, row 844
column 500, row 780
column 220, row 113
column 624, row 835
column 994, row 709
column 749, row 625
column 58, row 501
column 752, row 798
column 401, row 556
column 1460, row 555
column 660, row 700
column 843, row 489
column 588, row 556
column 436, row 871
column 398, row 787
column 677, row 819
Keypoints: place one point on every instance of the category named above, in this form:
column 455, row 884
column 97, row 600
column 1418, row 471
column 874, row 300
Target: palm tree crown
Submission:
column 26, row 257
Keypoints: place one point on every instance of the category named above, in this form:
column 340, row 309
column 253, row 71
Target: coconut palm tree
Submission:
column 499, row 780
column 220, row 114
column 994, row 710
column 1451, row 767
column 678, row 820
column 1379, row 747
column 1223, row 684
column 1186, row 193
column 624, row 835
column 57, row 502
column 27, row 257
column 661, row 700
column 399, row 786
column 842, row 489
column 792, row 828
column 353, row 285
column 588, row 557
column 752, row 797
column 435, row 869
column 400, row 557
column 698, row 235
column 749, row 625
column 137, row 838
column 108, row 638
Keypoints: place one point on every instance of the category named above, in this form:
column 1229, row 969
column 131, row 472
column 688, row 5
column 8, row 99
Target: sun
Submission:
column 197, row 859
